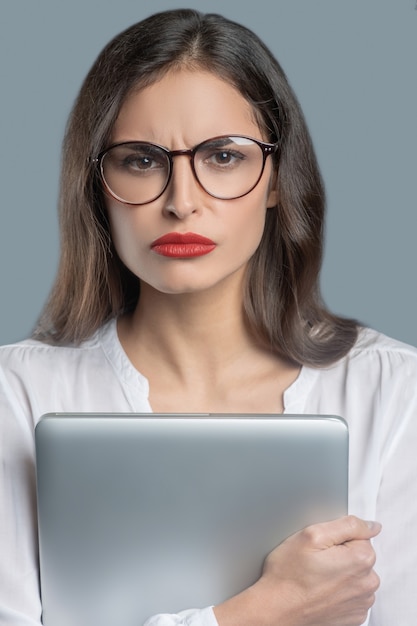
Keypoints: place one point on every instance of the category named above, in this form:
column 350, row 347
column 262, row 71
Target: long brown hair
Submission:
column 282, row 302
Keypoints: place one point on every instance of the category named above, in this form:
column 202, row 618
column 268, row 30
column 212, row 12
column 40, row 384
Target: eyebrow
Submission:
column 225, row 141
column 215, row 142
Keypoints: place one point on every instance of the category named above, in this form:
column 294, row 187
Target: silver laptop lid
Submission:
column 145, row 514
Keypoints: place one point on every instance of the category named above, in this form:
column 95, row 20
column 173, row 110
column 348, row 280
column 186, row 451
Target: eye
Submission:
column 222, row 158
column 137, row 160
column 227, row 157
column 143, row 161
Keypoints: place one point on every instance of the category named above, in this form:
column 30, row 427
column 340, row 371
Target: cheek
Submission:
column 123, row 233
column 252, row 215
column 245, row 233
column 256, row 229
column 118, row 229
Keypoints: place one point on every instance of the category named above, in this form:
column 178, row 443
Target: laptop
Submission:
column 150, row 513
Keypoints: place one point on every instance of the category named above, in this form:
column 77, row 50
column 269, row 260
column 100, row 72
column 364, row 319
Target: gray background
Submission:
column 352, row 64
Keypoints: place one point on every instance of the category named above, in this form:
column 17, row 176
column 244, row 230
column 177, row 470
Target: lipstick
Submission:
column 182, row 245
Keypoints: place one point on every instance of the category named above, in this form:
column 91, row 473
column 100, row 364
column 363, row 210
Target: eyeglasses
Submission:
column 226, row 167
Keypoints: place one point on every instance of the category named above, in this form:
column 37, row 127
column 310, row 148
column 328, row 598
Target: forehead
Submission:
column 185, row 107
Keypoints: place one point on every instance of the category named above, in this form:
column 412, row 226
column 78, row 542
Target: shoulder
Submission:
column 36, row 378
column 385, row 361
column 371, row 343
column 30, row 367
column 378, row 377
column 32, row 353
column 375, row 353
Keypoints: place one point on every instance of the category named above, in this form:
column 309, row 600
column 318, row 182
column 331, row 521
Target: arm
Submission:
column 19, row 576
column 321, row 576
column 396, row 505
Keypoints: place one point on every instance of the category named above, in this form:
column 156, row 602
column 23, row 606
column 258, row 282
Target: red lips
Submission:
column 182, row 245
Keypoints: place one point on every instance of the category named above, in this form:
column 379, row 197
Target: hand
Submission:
column 320, row 576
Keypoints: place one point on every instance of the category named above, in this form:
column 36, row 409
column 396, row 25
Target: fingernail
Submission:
column 374, row 525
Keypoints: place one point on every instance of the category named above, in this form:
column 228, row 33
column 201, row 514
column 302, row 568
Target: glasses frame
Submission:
column 266, row 148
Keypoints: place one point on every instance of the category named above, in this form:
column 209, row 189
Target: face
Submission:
column 186, row 240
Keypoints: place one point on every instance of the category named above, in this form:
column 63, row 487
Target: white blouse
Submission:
column 374, row 388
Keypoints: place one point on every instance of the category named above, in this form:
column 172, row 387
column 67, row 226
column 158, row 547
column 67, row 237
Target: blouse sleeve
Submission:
column 396, row 507
column 192, row 617
column 19, row 575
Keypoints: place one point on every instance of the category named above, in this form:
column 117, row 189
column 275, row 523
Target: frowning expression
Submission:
column 186, row 240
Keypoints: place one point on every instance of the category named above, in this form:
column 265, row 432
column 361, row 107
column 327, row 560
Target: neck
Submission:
column 203, row 326
column 197, row 352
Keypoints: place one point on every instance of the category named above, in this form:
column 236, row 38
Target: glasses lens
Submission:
column 229, row 167
column 135, row 173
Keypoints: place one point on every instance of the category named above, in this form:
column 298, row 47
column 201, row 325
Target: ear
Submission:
column 272, row 199
column 273, row 194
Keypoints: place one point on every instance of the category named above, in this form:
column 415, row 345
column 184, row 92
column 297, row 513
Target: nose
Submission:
column 183, row 191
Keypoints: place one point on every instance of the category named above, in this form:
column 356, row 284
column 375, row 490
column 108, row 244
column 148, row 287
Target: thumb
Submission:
column 342, row 530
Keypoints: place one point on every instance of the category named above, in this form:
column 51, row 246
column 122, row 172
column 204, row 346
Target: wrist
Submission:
column 262, row 604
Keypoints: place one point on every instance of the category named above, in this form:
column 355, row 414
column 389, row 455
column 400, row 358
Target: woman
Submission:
column 192, row 220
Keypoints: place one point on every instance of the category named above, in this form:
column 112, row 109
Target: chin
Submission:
column 180, row 289
column 189, row 279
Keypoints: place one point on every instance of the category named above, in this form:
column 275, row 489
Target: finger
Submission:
column 340, row 531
